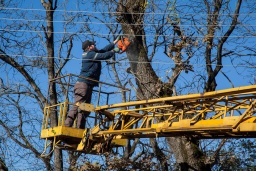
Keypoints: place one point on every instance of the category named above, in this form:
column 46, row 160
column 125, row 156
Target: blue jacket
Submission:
column 91, row 64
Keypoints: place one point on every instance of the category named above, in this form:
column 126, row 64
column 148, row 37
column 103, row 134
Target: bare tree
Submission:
column 131, row 14
column 15, row 49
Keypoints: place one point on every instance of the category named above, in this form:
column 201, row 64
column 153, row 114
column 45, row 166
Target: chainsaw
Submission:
column 123, row 43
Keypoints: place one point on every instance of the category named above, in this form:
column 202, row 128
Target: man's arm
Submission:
column 111, row 45
column 102, row 56
column 107, row 48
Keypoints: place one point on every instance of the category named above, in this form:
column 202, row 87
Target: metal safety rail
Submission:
column 59, row 135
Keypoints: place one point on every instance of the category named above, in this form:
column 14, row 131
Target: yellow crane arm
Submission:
column 219, row 114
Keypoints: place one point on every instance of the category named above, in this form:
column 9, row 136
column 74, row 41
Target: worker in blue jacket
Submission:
column 91, row 68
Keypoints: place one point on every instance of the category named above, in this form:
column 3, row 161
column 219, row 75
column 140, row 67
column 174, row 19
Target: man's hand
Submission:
column 116, row 50
column 118, row 38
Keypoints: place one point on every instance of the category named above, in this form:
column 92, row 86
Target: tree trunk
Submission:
column 3, row 166
column 49, row 35
column 146, row 79
column 188, row 155
column 186, row 152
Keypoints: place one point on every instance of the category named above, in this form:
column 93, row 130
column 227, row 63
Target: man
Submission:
column 91, row 68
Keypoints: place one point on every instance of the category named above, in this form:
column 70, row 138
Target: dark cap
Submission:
column 87, row 43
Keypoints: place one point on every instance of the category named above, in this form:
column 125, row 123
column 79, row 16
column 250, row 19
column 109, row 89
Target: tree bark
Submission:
column 146, row 79
column 186, row 152
column 49, row 36
column 3, row 167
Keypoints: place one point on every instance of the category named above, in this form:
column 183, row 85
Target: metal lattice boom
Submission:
column 219, row 114
column 228, row 113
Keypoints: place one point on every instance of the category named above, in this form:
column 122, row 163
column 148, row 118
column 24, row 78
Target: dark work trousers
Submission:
column 83, row 93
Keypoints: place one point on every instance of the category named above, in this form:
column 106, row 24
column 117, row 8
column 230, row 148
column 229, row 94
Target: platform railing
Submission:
column 64, row 87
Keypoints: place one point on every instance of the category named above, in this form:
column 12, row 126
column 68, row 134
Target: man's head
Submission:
column 87, row 45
